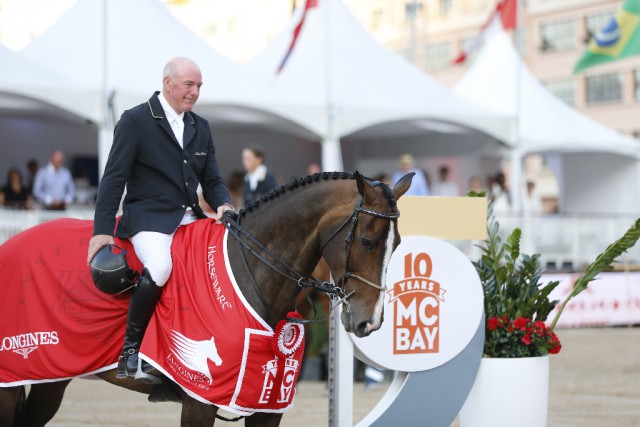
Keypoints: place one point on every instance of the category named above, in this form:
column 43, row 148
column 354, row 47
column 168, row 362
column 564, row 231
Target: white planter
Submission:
column 508, row 393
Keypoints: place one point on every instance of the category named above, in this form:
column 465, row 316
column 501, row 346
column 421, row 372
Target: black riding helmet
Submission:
column 111, row 272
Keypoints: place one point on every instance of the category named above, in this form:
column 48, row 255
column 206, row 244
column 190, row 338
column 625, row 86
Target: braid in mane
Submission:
column 292, row 185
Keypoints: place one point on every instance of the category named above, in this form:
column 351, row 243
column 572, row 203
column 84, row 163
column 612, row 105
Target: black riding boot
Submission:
column 141, row 307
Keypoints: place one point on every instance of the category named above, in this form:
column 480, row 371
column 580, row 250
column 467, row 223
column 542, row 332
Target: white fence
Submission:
column 564, row 242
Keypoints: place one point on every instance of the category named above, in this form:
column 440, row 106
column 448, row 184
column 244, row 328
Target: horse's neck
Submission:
column 289, row 227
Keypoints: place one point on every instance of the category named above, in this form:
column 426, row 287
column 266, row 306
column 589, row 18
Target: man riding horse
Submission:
column 161, row 152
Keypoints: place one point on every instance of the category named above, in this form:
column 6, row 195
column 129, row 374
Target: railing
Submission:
column 564, row 242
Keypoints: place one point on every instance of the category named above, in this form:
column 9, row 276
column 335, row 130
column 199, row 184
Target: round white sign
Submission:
column 432, row 309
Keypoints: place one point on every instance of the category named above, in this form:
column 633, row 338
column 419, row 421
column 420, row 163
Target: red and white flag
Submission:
column 296, row 32
column 504, row 14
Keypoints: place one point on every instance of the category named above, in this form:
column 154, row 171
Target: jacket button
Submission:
column 184, row 207
column 185, row 161
column 186, row 183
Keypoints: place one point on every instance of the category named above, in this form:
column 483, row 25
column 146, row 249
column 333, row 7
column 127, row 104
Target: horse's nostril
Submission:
column 364, row 328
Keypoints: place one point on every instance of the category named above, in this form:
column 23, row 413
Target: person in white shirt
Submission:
column 53, row 186
column 444, row 187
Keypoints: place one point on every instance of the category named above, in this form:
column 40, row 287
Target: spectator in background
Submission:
column 313, row 169
column 53, row 186
column 444, row 187
column 419, row 186
column 475, row 185
column 32, row 171
column 500, row 195
column 235, row 182
column 14, row 193
column 531, row 202
column 257, row 180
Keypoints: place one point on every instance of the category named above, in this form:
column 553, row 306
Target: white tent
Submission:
column 26, row 85
column 338, row 81
column 38, row 105
column 498, row 80
column 118, row 48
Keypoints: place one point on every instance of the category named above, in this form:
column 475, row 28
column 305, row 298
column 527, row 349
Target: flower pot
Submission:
column 508, row 392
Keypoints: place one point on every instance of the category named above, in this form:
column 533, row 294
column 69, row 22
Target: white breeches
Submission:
column 154, row 251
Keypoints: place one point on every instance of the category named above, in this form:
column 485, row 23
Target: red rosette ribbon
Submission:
column 288, row 336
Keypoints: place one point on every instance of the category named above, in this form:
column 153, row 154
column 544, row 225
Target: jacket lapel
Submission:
column 157, row 112
column 189, row 129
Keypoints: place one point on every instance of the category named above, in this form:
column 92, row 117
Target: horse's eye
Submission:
column 367, row 243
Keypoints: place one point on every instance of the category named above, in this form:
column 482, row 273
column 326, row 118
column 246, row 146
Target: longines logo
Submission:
column 417, row 307
column 24, row 344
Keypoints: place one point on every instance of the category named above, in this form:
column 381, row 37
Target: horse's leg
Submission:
column 263, row 419
column 197, row 414
column 44, row 401
column 9, row 399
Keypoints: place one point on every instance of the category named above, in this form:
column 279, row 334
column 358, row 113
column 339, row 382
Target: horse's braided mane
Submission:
column 307, row 180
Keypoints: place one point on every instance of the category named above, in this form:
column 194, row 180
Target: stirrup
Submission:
column 122, row 371
column 144, row 377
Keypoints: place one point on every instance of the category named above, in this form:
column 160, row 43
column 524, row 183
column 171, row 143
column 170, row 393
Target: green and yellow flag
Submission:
column 619, row 39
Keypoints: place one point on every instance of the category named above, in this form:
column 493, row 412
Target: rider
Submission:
column 161, row 151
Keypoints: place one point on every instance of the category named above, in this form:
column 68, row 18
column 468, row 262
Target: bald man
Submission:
column 161, row 151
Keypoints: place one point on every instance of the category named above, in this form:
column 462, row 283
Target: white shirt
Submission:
column 174, row 119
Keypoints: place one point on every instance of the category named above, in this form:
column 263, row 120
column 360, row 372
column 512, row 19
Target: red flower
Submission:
column 521, row 323
column 526, row 339
column 493, row 323
column 555, row 349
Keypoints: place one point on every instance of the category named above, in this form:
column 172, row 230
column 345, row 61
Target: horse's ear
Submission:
column 403, row 185
column 364, row 189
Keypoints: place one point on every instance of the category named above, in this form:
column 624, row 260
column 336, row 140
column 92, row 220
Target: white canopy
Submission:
column 118, row 48
column 40, row 110
column 27, row 86
column 597, row 167
column 339, row 80
column 498, row 80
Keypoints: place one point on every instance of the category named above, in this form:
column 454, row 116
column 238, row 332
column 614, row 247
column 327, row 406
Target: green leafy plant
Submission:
column 517, row 304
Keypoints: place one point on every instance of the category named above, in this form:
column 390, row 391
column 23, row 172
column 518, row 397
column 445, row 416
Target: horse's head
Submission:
column 359, row 251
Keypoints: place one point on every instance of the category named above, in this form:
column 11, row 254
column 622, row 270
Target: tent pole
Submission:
column 517, row 155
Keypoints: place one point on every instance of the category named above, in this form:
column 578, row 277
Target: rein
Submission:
column 334, row 292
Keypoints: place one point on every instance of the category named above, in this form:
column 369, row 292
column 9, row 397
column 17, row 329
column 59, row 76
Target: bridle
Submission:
column 335, row 292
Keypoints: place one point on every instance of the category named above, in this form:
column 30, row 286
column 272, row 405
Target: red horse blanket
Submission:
column 55, row 324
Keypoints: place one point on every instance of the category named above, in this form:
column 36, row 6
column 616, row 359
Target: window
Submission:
column 563, row 89
column 557, row 36
column 604, row 88
column 595, row 22
column 636, row 85
column 438, row 55
column 445, row 7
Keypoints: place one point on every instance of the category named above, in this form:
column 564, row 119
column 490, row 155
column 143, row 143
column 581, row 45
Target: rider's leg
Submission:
column 154, row 251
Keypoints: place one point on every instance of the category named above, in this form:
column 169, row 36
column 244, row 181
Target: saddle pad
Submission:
column 55, row 324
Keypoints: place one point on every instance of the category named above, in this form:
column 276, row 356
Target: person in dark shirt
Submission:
column 14, row 194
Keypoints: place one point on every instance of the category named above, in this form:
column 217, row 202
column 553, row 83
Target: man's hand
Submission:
column 221, row 210
column 97, row 242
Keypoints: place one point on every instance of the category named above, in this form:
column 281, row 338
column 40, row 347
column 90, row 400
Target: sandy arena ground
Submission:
column 595, row 382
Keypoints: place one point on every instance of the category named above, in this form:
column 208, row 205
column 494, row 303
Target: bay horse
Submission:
column 345, row 218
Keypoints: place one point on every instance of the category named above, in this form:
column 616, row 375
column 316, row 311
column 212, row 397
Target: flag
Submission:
column 296, row 32
column 504, row 13
column 618, row 39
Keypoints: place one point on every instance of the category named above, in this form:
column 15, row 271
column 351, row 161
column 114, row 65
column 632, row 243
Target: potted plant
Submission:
column 513, row 377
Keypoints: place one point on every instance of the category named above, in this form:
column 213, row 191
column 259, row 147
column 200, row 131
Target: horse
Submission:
column 345, row 218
